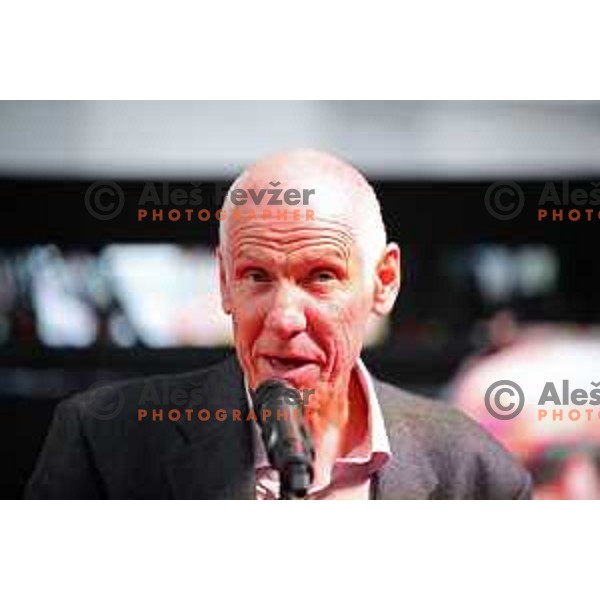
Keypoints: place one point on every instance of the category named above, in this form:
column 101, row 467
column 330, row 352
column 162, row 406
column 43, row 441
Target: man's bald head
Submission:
column 301, row 292
column 341, row 193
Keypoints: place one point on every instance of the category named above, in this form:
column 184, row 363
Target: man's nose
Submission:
column 286, row 314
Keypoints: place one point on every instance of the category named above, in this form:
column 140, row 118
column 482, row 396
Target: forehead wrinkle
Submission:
column 280, row 232
column 339, row 248
column 290, row 228
column 340, row 241
column 282, row 239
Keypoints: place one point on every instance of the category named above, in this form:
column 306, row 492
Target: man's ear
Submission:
column 223, row 284
column 387, row 280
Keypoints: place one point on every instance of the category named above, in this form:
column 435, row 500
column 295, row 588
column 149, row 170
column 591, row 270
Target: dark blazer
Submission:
column 97, row 448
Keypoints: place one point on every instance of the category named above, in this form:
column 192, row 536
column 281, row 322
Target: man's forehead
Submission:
column 346, row 210
column 332, row 208
column 309, row 252
column 326, row 236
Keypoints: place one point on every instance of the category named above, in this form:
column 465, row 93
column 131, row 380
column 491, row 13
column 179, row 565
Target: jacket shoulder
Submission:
column 96, row 446
column 466, row 459
column 108, row 402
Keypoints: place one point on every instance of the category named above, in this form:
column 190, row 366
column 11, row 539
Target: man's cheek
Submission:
column 247, row 323
column 347, row 339
column 340, row 352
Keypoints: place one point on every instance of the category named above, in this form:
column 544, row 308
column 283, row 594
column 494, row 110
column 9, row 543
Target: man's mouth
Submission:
column 290, row 366
column 284, row 362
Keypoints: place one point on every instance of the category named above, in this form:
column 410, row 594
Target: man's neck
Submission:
column 356, row 426
column 337, row 437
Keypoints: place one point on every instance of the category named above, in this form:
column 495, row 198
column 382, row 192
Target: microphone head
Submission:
column 276, row 391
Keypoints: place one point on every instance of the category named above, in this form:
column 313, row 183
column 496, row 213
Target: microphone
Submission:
column 287, row 441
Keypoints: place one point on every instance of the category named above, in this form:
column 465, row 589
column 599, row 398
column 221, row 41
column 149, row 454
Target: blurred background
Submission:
column 87, row 298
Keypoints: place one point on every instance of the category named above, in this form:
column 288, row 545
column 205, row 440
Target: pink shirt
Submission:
column 351, row 475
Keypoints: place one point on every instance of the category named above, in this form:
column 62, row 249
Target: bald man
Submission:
column 300, row 288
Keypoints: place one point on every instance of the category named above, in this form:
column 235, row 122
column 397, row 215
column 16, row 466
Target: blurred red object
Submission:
column 558, row 440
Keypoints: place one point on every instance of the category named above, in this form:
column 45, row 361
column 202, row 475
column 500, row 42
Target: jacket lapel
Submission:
column 214, row 459
column 408, row 474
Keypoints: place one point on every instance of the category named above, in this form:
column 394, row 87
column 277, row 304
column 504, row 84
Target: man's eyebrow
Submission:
column 319, row 259
column 251, row 255
column 320, row 254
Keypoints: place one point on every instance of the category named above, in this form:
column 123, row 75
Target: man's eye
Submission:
column 256, row 275
column 323, row 275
